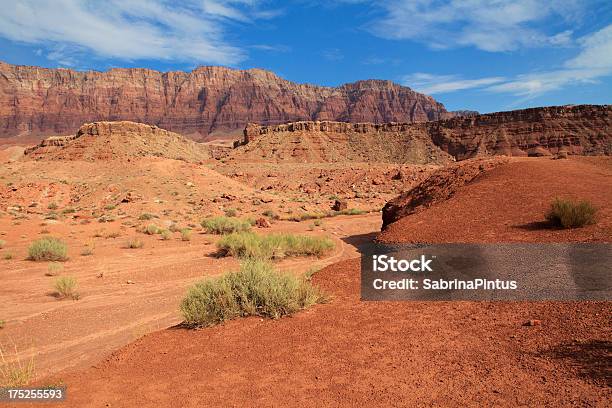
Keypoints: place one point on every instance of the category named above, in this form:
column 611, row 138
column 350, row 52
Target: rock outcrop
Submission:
column 440, row 186
column 205, row 101
column 118, row 140
column 331, row 142
column 581, row 129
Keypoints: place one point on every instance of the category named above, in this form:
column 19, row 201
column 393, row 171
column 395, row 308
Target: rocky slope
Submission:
column 581, row 130
column 118, row 140
column 330, row 142
column 208, row 100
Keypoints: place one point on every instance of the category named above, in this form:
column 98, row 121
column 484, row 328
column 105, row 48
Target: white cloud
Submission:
column 437, row 84
column 191, row 30
column 332, row 54
column 593, row 61
column 490, row 25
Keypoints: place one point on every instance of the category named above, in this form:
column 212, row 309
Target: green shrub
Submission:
column 270, row 214
column 152, row 229
column 65, row 286
column 231, row 212
column 225, row 225
column 48, row 249
column 185, row 234
column 569, row 214
column 134, row 243
column 110, row 207
column 255, row 290
column 272, row 246
column 54, row 269
column 165, row 235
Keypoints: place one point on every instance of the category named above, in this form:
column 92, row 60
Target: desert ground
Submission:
column 121, row 343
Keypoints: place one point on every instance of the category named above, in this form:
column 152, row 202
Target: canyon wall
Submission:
column 581, row 129
column 205, row 101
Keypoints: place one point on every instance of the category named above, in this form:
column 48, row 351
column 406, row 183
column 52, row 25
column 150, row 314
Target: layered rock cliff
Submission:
column 118, row 140
column 208, row 100
column 582, row 129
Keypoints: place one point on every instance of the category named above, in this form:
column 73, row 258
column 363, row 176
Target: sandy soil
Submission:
column 352, row 353
column 111, row 311
column 508, row 204
column 343, row 353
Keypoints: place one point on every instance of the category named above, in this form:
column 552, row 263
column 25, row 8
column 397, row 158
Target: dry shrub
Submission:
column 255, row 290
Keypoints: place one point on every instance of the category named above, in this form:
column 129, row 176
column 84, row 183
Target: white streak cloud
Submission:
column 436, row 84
column 192, row 31
column 489, row 25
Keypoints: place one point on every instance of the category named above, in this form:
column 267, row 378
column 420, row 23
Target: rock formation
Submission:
column 582, row 129
column 205, row 101
column 579, row 129
column 118, row 140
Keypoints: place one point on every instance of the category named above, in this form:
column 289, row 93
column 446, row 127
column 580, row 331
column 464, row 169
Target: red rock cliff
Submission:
column 43, row 102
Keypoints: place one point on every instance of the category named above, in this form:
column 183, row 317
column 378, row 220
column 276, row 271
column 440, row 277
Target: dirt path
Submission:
column 112, row 313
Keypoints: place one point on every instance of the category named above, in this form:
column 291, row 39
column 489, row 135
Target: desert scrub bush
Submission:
column 48, row 249
column 151, row 229
column 146, row 216
column 14, row 372
column 231, row 212
column 569, row 214
column 65, row 286
column 350, row 211
column 270, row 214
column 272, row 246
column 54, row 269
column 7, row 256
column 255, row 290
column 2, row 323
column 2, row 243
column 52, row 206
column 165, row 235
column 185, row 234
column 225, row 225
column 110, row 207
column 134, row 243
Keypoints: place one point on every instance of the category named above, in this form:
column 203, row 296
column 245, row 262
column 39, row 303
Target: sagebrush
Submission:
column 48, row 249
column 272, row 246
column 570, row 214
column 225, row 225
column 255, row 290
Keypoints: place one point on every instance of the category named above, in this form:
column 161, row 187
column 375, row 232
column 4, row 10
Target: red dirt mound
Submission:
column 352, row 353
column 440, row 186
column 505, row 204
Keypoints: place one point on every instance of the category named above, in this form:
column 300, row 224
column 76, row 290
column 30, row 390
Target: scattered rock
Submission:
column 533, row 322
column 262, row 223
column 340, row 205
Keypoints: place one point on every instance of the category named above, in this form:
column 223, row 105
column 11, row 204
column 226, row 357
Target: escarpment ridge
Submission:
column 578, row 130
column 207, row 102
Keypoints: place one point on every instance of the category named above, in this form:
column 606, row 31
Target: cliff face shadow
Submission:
column 536, row 226
column 360, row 240
column 591, row 360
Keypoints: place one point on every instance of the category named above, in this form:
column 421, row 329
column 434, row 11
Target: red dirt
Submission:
column 349, row 353
column 508, row 204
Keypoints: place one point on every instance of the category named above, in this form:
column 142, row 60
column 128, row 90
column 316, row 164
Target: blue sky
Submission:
column 485, row 55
